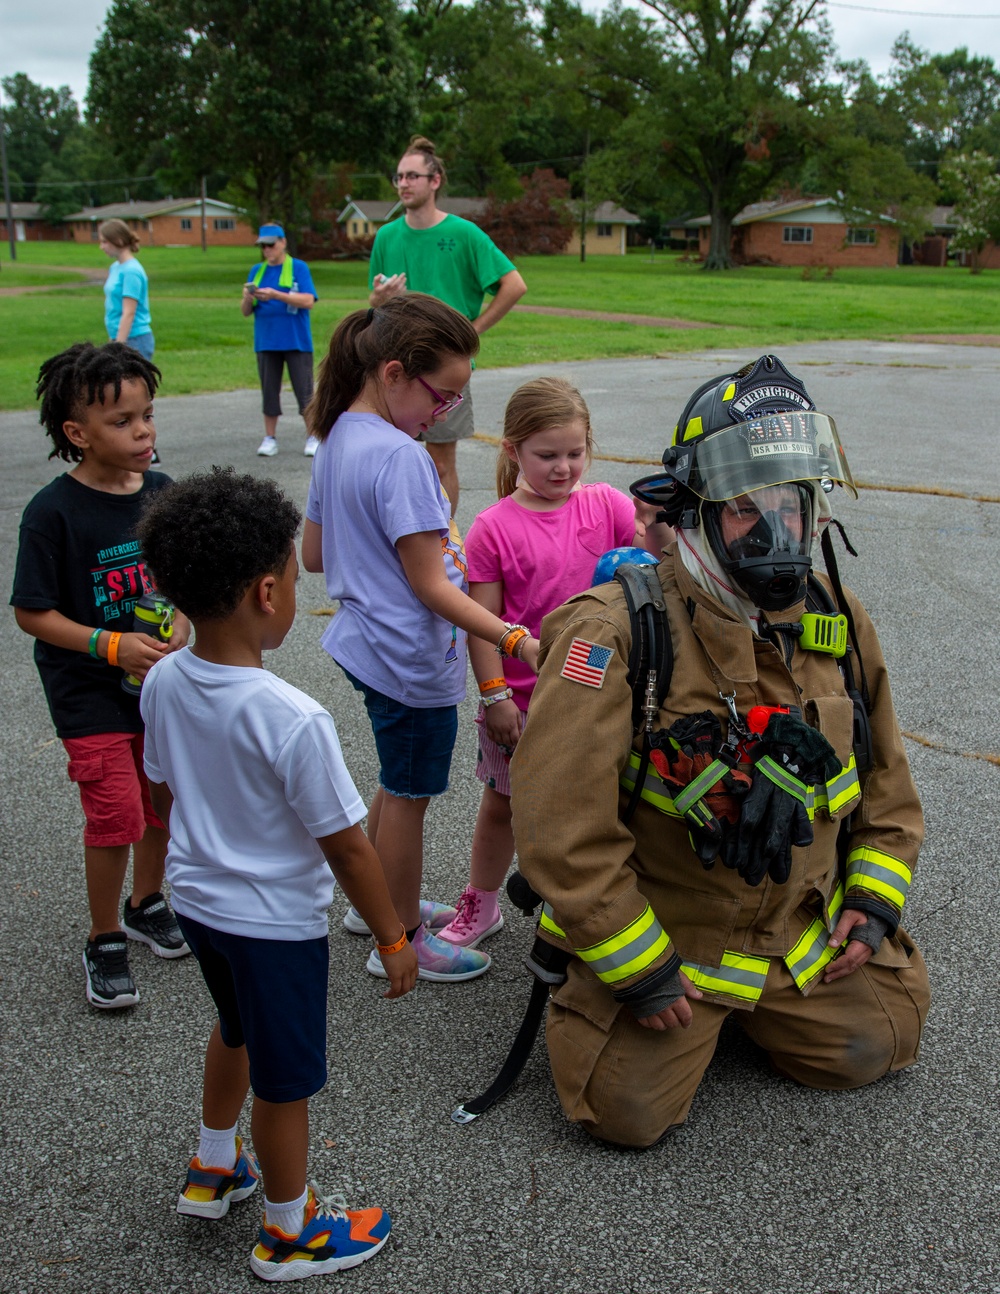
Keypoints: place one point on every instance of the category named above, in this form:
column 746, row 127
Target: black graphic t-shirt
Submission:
column 78, row 555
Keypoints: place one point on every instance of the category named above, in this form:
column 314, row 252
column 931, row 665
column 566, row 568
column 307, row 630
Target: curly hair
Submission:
column 206, row 538
column 78, row 377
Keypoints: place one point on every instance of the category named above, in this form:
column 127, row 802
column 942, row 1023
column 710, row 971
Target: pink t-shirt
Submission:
column 543, row 558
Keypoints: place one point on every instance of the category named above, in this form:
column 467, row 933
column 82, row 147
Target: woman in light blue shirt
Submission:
column 126, row 291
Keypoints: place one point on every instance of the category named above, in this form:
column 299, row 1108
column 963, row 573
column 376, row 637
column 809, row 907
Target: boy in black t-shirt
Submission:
column 79, row 575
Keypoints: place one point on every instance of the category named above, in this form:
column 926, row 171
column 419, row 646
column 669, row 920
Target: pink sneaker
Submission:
column 437, row 960
column 478, row 915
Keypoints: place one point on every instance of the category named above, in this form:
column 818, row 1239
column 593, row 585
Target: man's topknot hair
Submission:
column 77, row 377
column 206, row 538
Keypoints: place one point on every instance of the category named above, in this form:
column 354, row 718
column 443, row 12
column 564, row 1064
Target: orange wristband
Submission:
column 113, row 642
column 490, row 684
column 397, row 946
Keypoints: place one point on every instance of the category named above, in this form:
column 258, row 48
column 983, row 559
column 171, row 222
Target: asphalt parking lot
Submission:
column 768, row 1188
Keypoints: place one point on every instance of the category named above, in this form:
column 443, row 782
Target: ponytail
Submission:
column 417, row 330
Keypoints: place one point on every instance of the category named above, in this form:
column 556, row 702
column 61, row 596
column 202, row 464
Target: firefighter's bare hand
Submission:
column 855, row 954
column 503, row 725
column 676, row 1016
column 138, row 653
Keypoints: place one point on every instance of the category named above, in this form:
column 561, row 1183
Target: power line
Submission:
column 909, row 13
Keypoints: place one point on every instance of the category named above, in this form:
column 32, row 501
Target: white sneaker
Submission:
column 268, row 447
column 312, row 444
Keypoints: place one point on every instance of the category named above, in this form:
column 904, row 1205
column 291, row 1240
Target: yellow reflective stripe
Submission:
column 739, row 976
column 700, row 785
column 629, row 951
column 546, row 922
column 812, row 952
column 780, row 777
column 284, row 277
column 881, row 873
column 840, row 790
column 658, row 798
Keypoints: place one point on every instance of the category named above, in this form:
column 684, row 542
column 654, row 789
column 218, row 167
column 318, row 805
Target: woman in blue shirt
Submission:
column 126, row 291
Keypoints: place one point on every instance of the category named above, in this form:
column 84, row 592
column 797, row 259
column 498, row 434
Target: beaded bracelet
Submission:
column 397, row 946
column 506, row 695
column 113, row 642
column 491, row 683
column 92, row 645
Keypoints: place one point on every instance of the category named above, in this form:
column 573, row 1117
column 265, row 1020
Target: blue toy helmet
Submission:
column 608, row 563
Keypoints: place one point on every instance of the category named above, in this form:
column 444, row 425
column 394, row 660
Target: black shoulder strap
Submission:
column 650, row 661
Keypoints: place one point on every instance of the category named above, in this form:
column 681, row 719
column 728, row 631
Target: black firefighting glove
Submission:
column 789, row 759
column 686, row 752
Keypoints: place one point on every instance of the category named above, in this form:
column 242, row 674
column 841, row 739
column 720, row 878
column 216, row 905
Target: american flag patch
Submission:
column 587, row 662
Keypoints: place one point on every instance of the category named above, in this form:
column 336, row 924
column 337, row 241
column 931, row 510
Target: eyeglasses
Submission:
column 272, row 244
column 447, row 402
column 410, row 176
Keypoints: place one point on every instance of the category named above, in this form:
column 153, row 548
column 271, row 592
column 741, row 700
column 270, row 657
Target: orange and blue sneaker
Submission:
column 332, row 1239
column 208, row 1192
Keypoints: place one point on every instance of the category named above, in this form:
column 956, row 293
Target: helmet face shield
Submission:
column 768, row 450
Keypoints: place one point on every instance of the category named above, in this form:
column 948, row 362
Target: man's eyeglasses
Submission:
column 447, row 402
column 410, row 176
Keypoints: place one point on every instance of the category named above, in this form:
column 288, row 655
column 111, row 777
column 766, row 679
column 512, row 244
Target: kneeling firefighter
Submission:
column 751, row 847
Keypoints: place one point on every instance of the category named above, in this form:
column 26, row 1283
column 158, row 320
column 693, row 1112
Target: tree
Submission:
column 37, row 123
column 535, row 223
column 973, row 177
column 267, row 95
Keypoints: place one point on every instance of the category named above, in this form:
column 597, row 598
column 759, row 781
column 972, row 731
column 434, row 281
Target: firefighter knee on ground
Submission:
column 772, row 822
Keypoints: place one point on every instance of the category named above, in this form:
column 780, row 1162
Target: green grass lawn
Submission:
column 204, row 343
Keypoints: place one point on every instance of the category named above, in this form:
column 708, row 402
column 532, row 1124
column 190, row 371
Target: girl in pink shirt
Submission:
column 527, row 554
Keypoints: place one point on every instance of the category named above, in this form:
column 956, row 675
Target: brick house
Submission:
column 805, row 231
column 170, row 222
column 29, row 226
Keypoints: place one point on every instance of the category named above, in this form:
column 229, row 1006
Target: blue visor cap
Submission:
column 268, row 233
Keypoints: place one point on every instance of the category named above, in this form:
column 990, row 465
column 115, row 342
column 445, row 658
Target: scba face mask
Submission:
column 763, row 540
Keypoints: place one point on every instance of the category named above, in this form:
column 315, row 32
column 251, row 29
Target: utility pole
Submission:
column 204, row 218
column 6, row 185
column 583, row 208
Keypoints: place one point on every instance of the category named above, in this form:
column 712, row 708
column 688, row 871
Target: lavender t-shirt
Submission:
column 543, row 558
column 371, row 484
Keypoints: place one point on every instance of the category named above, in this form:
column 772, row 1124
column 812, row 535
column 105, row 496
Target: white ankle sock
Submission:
column 286, row 1217
column 217, row 1147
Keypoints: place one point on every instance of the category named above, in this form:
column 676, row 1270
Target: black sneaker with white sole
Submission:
column 109, row 981
column 153, row 924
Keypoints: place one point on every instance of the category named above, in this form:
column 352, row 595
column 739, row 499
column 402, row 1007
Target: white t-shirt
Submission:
column 256, row 771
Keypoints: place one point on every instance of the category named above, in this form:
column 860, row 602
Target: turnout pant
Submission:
column 626, row 1084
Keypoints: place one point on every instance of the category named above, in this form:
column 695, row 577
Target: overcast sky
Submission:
column 51, row 40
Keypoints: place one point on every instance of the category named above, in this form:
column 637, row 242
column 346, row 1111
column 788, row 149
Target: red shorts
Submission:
column 107, row 768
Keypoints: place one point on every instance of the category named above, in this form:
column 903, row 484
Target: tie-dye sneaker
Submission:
column 208, row 1192
column 435, row 916
column 332, row 1239
column 437, row 960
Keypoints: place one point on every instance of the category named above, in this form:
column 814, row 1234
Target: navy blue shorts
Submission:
column 271, row 999
column 414, row 745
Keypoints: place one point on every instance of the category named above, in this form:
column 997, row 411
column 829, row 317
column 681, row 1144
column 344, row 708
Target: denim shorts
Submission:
column 145, row 344
column 414, row 745
column 271, row 998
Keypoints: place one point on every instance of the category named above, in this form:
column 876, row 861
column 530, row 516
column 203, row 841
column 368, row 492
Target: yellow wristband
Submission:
column 397, row 946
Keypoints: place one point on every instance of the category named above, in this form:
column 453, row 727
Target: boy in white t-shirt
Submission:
column 262, row 810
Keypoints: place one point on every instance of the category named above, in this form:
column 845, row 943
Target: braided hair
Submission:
column 76, row 378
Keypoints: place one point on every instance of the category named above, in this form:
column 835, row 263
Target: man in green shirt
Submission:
column 447, row 257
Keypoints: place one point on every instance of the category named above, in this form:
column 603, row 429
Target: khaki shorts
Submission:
column 457, row 425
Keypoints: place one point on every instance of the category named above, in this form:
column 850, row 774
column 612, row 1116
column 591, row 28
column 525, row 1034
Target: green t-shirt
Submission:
column 453, row 261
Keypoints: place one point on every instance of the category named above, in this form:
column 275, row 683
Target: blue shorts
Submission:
column 414, row 745
column 271, row 999
column 145, row 344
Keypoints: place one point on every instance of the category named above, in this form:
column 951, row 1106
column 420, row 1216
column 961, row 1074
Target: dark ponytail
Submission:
column 419, row 331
